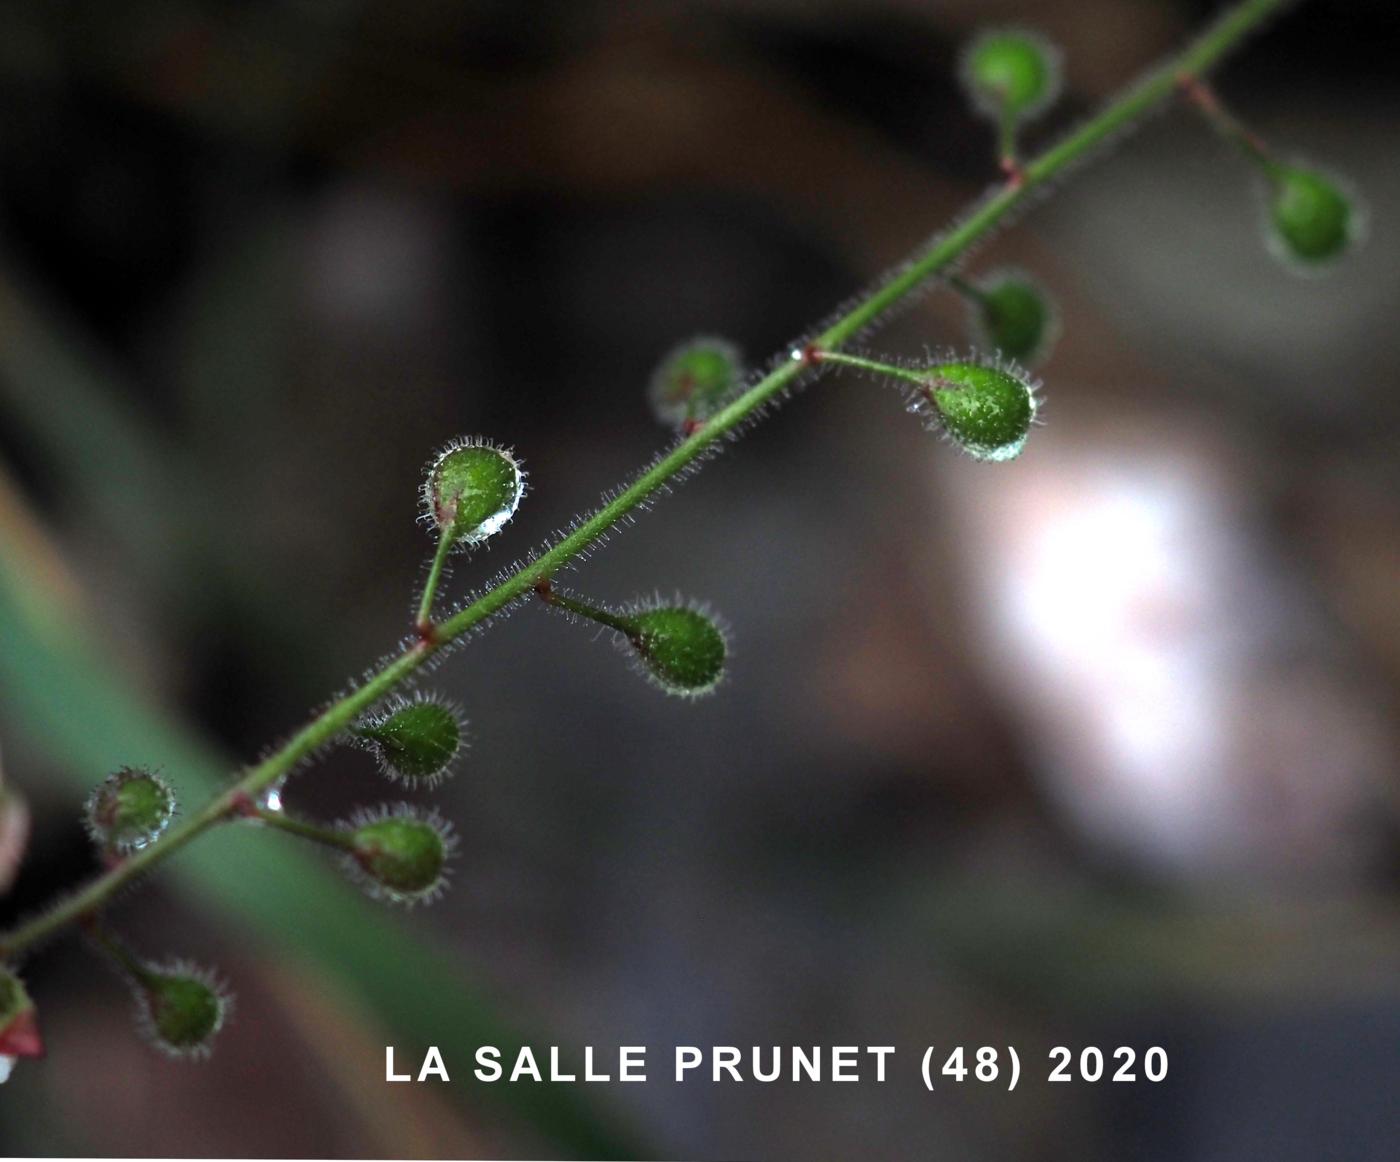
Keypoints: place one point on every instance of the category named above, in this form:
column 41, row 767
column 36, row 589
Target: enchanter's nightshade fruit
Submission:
column 415, row 739
column 129, row 809
column 473, row 489
column 1312, row 219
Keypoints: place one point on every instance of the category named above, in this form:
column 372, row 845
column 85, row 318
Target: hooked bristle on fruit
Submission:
column 1312, row 221
column 1011, row 73
column 182, row 1007
column 472, row 489
column 985, row 408
column 129, row 809
column 1012, row 315
column 400, row 853
column 682, row 649
column 694, row 380
column 414, row 739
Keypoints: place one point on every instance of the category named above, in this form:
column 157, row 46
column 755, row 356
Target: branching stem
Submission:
column 1155, row 87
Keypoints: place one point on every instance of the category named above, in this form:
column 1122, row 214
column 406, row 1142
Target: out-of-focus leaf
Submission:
column 60, row 393
column 147, row 494
column 233, row 335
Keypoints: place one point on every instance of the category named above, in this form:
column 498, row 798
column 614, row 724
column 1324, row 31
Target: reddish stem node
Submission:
column 1199, row 93
column 1196, row 91
column 242, row 806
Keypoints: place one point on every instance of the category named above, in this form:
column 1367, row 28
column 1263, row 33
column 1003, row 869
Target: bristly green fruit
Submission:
column 183, row 1007
column 986, row 408
column 682, row 649
column 472, row 489
column 1011, row 73
column 401, row 853
column 415, row 740
column 1012, row 315
column 129, row 809
column 694, row 380
column 1313, row 221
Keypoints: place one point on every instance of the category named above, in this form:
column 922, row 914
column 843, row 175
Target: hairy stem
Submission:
column 1154, row 88
column 329, row 836
column 551, row 596
column 430, row 586
column 863, row 364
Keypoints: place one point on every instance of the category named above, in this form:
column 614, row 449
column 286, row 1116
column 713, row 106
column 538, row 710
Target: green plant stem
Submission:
column 890, row 369
column 1231, row 128
column 1158, row 85
column 1006, row 139
column 592, row 612
column 330, row 836
column 430, row 586
column 119, row 952
column 315, row 734
column 969, row 290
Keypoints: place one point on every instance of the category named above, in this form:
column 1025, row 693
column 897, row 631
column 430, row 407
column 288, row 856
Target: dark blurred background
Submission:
column 1095, row 748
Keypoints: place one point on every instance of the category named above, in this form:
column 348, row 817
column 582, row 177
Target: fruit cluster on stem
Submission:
column 982, row 401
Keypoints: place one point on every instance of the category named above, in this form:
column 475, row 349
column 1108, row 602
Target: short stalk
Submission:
column 121, row 955
column 874, row 365
column 551, row 596
column 430, row 586
column 1251, row 146
column 1006, row 142
column 969, row 290
column 329, row 836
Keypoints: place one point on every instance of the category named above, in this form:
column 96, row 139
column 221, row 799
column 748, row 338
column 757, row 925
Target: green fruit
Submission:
column 1011, row 74
column 1312, row 219
column 985, row 408
column 129, row 809
column 415, row 741
column 184, row 1009
column 681, row 648
column 1014, row 318
column 694, row 380
column 402, row 854
column 472, row 490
